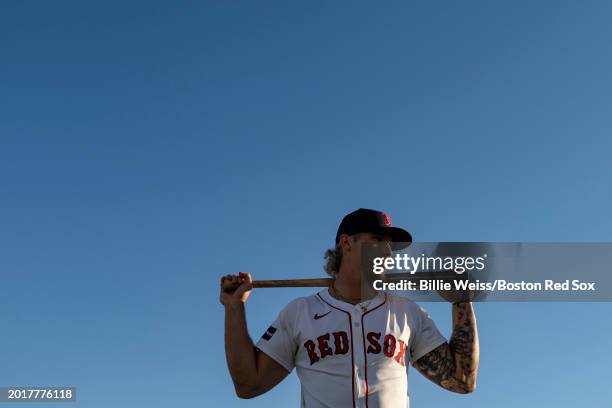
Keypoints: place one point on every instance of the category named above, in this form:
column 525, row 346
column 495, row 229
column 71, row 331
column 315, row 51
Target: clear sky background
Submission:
column 149, row 148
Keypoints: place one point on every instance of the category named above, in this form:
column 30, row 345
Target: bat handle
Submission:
column 228, row 285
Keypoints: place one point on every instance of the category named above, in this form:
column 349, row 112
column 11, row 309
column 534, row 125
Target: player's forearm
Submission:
column 464, row 345
column 239, row 348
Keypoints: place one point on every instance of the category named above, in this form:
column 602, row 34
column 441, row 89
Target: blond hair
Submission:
column 333, row 258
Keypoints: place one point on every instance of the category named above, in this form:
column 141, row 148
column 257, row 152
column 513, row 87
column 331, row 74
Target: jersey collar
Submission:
column 348, row 307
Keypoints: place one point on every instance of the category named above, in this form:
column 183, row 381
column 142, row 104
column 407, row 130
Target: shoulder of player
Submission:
column 299, row 304
column 296, row 310
column 402, row 302
column 406, row 308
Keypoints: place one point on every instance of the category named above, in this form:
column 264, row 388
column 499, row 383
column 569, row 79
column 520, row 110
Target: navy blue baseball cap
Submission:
column 366, row 220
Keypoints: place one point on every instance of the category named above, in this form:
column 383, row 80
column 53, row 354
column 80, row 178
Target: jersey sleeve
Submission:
column 278, row 341
column 427, row 336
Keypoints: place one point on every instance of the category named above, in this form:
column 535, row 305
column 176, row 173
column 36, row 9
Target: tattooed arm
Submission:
column 454, row 365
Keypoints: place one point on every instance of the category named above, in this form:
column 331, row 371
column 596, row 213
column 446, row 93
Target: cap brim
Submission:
column 399, row 236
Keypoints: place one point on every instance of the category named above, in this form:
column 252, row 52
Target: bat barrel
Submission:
column 293, row 283
column 229, row 286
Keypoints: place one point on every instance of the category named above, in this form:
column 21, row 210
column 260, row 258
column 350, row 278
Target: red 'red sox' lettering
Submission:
column 374, row 347
column 389, row 345
column 322, row 347
column 341, row 342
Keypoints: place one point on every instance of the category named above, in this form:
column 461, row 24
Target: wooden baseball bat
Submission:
column 229, row 286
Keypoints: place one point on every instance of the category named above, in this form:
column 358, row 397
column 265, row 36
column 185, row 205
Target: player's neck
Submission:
column 347, row 288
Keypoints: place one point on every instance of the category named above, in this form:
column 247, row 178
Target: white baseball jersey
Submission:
column 347, row 355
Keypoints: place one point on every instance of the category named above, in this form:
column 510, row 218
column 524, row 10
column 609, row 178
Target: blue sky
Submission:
column 149, row 148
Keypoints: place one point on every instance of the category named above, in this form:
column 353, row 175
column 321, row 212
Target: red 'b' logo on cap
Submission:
column 387, row 220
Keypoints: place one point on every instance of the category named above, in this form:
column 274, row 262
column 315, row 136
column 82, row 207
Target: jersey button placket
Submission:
column 359, row 357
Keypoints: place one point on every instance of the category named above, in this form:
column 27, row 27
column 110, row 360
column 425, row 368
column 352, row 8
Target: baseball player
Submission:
column 350, row 350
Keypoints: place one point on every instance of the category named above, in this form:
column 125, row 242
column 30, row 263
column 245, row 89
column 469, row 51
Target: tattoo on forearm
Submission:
column 439, row 366
column 462, row 340
column 453, row 365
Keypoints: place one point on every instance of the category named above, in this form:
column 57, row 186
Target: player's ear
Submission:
column 345, row 242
